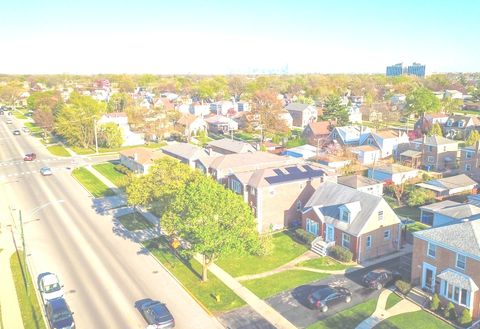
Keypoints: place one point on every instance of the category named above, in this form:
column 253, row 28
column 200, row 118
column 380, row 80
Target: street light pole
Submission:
column 95, row 132
column 23, row 246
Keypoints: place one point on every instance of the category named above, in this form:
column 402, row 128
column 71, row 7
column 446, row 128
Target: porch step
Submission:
column 318, row 249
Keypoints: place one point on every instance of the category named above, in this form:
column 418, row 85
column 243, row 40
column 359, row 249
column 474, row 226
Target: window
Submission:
column 461, row 261
column 344, row 215
column 430, row 159
column 468, row 155
column 468, row 167
column 461, row 123
column 369, row 241
column 334, row 135
column 444, row 149
column 456, row 294
column 370, row 141
column 449, row 123
column 463, row 297
column 417, row 146
column 380, row 215
column 252, row 190
column 431, row 250
column 299, row 205
column 430, row 148
column 386, row 235
column 345, row 240
column 236, row 187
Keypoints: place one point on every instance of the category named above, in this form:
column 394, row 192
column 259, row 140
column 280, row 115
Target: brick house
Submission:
column 459, row 126
column 469, row 161
column 317, row 131
column 446, row 260
column 361, row 222
column 139, row 159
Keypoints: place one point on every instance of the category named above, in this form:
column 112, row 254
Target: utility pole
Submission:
column 95, row 132
column 23, row 246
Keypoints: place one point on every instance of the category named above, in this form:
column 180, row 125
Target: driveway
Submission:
column 292, row 303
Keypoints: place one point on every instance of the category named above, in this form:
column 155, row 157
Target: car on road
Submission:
column 46, row 171
column 59, row 315
column 1, row 112
column 325, row 296
column 25, row 130
column 29, row 157
column 16, row 132
column 156, row 314
column 49, row 286
column 9, row 121
column 379, row 278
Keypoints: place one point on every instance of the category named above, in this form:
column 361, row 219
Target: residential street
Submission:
column 104, row 274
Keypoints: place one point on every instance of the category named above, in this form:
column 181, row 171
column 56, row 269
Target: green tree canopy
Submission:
column 419, row 197
column 50, row 99
column 473, row 137
column 110, row 135
column 120, row 102
column 214, row 220
column 422, row 100
column 436, row 130
column 44, row 118
column 334, row 110
column 268, row 110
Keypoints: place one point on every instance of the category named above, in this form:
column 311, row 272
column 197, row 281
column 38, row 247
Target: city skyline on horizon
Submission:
column 213, row 38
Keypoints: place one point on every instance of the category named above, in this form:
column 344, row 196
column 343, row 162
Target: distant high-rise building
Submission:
column 398, row 69
column 416, row 69
column 394, row 70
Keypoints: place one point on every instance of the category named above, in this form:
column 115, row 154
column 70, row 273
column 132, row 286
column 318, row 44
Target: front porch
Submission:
column 320, row 246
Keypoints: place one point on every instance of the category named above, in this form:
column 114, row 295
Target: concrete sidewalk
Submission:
column 11, row 316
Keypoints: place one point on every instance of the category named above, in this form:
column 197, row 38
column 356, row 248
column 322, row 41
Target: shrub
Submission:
column 341, row 253
column 449, row 311
column 266, row 245
column 435, row 303
column 403, row 286
column 122, row 169
column 303, row 236
column 465, row 318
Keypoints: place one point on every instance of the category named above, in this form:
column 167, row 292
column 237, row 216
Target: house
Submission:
column 354, row 114
column 395, row 173
column 302, row 114
column 459, row 126
column 272, row 147
column 303, row 151
column 278, row 194
column 219, row 124
column 434, row 153
column 446, row 261
column 229, row 146
column 242, row 107
column 425, row 122
column 333, row 161
column 287, row 117
column 199, row 109
column 190, row 125
column 366, row 154
column 139, row 159
column 453, row 94
column 386, row 140
column 361, row 222
column 221, row 107
column 164, row 103
column 348, row 135
column 316, row 132
column 362, row 184
column 448, row 212
column 130, row 138
column 469, row 161
column 443, row 187
column 185, row 152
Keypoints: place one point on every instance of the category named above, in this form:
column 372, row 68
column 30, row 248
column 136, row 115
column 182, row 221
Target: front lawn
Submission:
column 349, row 318
column 135, row 222
column 27, row 299
column 276, row 283
column 418, row 319
column 189, row 274
column 58, row 150
column 91, row 149
column 92, row 183
column 392, row 300
column 34, row 129
column 325, row 263
column 107, row 169
column 285, row 249
column 81, row 150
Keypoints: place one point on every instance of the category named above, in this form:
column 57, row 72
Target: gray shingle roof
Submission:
column 464, row 237
column 297, row 107
column 394, row 168
column 435, row 140
column 232, row 145
column 452, row 182
column 458, row 279
column 357, row 181
column 184, row 150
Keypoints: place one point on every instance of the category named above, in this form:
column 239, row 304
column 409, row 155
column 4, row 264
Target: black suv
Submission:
column 326, row 296
column 377, row 279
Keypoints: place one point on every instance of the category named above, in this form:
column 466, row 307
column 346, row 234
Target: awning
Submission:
column 411, row 153
column 432, row 187
column 458, row 279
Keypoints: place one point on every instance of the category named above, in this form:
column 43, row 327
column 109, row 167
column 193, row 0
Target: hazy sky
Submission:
column 209, row 36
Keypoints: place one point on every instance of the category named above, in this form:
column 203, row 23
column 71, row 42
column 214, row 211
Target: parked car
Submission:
column 1, row 112
column 326, row 296
column 379, row 278
column 16, row 132
column 156, row 314
column 25, row 130
column 45, row 171
column 29, row 157
column 50, row 287
column 59, row 315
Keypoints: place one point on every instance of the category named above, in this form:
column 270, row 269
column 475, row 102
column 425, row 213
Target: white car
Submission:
column 50, row 287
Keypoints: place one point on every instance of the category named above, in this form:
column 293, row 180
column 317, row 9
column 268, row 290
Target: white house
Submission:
column 221, row 107
column 199, row 109
column 285, row 116
column 396, row 173
column 454, row 94
column 386, row 140
column 354, row 114
column 349, row 135
column 121, row 120
column 366, row 154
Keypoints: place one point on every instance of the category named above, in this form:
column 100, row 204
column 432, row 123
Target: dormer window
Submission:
column 449, row 123
column 461, row 123
column 370, row 141
column 344, row 215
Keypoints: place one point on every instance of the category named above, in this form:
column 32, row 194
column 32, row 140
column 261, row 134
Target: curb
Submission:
column 180, row 283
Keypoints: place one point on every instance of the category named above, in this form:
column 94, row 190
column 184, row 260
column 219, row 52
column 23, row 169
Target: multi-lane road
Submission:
column 104, row 274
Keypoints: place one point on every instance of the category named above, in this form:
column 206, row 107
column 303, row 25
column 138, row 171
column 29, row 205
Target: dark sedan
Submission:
column 156, row 314
column 58, row 314
column 377, row 279
column 326, row 296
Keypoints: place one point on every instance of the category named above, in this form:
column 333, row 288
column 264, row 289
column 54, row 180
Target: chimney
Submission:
column 208, row 149
column 135, row 156
column 477, row 146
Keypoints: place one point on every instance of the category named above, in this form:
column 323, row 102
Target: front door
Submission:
column 312, row 227
column 428, row 277
column 329, row 233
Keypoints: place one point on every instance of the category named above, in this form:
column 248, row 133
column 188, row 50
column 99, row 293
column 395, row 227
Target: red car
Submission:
column 30, row 157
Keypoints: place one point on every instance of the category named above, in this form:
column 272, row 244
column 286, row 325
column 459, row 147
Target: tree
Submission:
column 419, row 197
column 435, row 303
column 110, row 135
column 396, row 189
column 334, row 110
column 436, row 130
column 10, row 92
column 119, row 102
column 215, row 221
column 50, row 99
column 75, row 120
column 473, row 137
column 268, row 110
column 237, row 86
column 138, row 191
column 421, row 101
column 44, row 118
column 451, row 105
column 212, row 89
